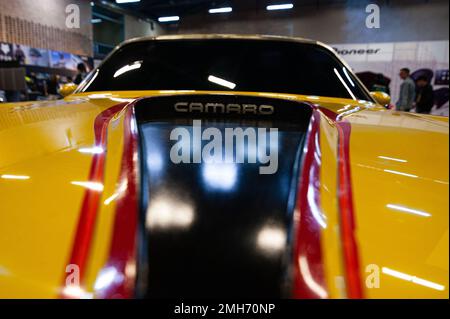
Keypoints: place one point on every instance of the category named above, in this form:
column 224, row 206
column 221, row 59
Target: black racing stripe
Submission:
column 216, row 230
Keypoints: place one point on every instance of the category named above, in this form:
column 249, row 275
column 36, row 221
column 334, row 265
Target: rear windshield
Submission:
column 226, row 65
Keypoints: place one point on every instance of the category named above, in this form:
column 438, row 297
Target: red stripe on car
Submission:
column 88, row 215
column 309, row 280
column 347, row 221
column 122, row 256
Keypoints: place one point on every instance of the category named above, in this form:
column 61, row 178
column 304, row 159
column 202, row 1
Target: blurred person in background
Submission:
column 424, row 96
column 81, row 73
column 19, row 54
column 407, row 92
column 52, row 87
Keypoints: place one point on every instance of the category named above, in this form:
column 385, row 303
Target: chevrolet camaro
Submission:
column 222, row 166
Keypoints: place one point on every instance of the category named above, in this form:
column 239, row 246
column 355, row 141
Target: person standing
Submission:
column 407, row 92
column 81, row 73
column 19, row 55
column 424, row 96
column 52, row 87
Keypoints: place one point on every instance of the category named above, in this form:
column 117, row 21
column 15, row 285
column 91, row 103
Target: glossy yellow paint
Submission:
column 39, row 206
column 39, row 214
column 67, row 89
column 401, row 200
column 381, row 97
column 35, row 234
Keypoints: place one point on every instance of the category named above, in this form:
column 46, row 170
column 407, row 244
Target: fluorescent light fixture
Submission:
column 169, row 19
column 413, row 279
column 221, row 82
column 20, row 177
column 221, row 10
column 111, row 198
column 348, row 76
column 89, row 81
column 220, row 176
column 120, row 100
column 285, row 6
column 95, row 186
column 400, row 173
column 309, row 279
column 345, row 108
column 91, row 150
column 408, row 210
column 344, row 84
column 127, row 1
column 393, row 159
column 99, row 96
column 122, row 188
column 76, row 292
column 95, row 21
column 317, row 214
column 107, row 277
column 126, row 68
column 164, row 213
column 271, row 239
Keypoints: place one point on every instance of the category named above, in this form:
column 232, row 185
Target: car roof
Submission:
column 221, row 36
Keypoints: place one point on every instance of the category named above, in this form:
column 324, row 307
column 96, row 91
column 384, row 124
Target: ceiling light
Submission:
column 408, row 210
column 127, row 1
column 272, row 239
column 8, row 176
column 94, row 21
column 221, row 82
column 393, row 159
column 76, row 292
column 91, row 150
column 286, row 6
column 169, row 19
column 413, row 279
column 95, row 186
column 221, row 176
column 400, row 173
column 164, row 213
column 221, row 10
column 344, row 84
column 127, row 68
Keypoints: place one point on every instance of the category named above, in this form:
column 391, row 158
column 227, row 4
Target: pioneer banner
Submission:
column 428, row 58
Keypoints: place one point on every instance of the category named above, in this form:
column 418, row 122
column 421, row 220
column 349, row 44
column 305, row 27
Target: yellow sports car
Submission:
column 222, row 166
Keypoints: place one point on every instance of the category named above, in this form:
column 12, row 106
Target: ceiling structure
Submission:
column 154, row 9
column 159, row 8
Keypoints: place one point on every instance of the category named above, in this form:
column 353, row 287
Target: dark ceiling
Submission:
column 157, row 8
